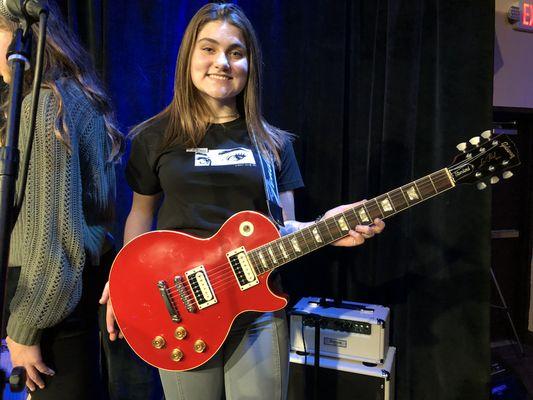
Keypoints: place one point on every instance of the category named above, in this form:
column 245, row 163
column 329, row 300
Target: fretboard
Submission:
column 315, row 236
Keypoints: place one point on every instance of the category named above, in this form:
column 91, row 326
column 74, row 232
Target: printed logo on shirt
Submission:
column 240, row 156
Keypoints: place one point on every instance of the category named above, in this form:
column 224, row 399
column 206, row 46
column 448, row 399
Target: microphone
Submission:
column 15, row 10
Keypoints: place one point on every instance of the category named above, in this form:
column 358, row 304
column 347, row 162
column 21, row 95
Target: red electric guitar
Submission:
column 176, row 296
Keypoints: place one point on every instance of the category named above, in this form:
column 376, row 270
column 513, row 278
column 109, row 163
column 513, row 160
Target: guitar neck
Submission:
column 292, row 246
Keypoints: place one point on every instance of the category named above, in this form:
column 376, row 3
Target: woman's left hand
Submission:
column 360, row 233
column 30, row 358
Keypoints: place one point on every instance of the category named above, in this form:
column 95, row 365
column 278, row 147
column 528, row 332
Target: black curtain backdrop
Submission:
column 379, row 93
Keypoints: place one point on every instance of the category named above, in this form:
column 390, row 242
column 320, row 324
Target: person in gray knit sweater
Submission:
column 68, row 207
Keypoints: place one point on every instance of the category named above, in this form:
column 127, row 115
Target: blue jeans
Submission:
column 252, row 364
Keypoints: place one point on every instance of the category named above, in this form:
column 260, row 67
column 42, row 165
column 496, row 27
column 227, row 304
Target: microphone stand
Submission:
column 19, row 55
column 10, row 158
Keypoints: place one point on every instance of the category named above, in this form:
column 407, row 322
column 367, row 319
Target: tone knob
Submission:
column 180, row 333
column 199, row 346
column 176, row 355
column 158, row 342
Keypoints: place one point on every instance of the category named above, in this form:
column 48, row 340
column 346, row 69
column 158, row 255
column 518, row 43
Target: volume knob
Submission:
column 158, row 342
column 180, row 333
column 199, row 346
column 176, row 355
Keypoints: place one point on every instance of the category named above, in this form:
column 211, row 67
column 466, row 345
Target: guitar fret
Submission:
column 433, row 184
column 373, row 210
column 400, row 202
column 426, row 189
column 252, row 255
column 263, row 260
column 333, row 228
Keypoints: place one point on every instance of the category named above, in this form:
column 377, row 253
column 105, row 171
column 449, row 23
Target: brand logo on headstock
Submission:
column 467, row 169
column 507, row 148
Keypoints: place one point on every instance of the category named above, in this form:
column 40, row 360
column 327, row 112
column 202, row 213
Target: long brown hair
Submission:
column 188, row 113
column 65, row 57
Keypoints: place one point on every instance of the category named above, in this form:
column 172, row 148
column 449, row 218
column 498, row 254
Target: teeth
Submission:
column 220, row 77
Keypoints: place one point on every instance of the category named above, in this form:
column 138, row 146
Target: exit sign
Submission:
column 521, row 16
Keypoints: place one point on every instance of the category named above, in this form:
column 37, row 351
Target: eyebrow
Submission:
column 210, row 40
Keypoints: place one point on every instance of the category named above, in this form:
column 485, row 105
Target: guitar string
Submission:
column 223, row 282
column 224, row 269
column 330, row 221
column 419, row 184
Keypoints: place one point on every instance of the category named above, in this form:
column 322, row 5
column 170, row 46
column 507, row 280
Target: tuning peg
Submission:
column 481, row 186
column 474, row 141
column 494, row 180
column 486, row 134
column 507, row 174
column 461, row 146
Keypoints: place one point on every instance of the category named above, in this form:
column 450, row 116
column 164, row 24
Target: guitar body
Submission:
column 142, row 313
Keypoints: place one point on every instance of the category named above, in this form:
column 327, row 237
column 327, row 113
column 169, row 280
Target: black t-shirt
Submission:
column 206, row 185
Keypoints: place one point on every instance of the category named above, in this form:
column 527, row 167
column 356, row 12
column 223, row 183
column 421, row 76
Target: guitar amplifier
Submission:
column 352, row 331
column 341, row 379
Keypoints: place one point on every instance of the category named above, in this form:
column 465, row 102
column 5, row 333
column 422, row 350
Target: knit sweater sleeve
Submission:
column 49, row 229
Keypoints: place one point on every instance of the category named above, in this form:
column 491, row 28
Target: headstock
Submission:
column 484, row 159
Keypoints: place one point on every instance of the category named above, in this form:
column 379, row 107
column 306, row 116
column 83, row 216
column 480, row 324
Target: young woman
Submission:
column 197, row 162
column 67, row 209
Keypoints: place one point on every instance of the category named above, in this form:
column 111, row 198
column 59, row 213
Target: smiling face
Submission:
column 219, row 65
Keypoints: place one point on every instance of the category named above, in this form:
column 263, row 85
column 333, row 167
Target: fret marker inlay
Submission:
column 386, row 205
column 263, row 261
column 272, row 255
column 316, row 235
column 285, row 255
column 295, row 245
column 363, row 215
column 342, row 223
column 412, row 194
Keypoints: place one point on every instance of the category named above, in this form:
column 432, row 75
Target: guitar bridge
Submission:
column 201, row 287
column 184, row 295
column 242, row 268
column 171, row 308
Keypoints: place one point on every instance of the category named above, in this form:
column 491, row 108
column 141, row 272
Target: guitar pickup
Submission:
column 242, row 268
column 171, row 308
column 201, row 287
